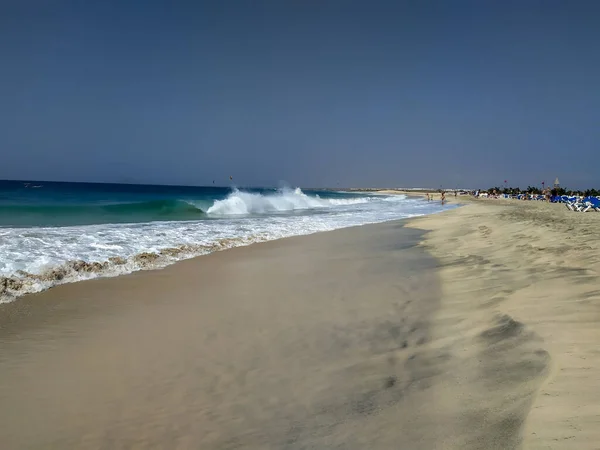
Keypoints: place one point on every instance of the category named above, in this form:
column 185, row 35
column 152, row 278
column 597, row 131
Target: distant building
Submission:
column 556, row 183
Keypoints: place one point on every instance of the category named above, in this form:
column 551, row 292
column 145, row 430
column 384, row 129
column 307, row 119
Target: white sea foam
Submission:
column 243, row 203
column 38, row 258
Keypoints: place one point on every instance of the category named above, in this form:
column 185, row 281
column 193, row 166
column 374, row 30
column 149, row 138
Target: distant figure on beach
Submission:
column 443, row 197
column 455, row 194
column 428, row 198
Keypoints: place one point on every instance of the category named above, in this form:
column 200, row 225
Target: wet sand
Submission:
column 308, row 342
column 483, row 336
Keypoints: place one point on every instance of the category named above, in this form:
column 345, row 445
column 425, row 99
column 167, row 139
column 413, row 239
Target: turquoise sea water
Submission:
column 37, row 203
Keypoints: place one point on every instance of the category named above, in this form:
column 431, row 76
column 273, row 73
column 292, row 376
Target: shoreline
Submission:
column 150, row 270
column 112, row 254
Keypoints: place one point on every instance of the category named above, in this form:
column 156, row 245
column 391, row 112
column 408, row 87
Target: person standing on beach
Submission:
column 443, row 197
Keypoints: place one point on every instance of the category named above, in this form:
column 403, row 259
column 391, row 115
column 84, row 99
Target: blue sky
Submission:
column 313, row 93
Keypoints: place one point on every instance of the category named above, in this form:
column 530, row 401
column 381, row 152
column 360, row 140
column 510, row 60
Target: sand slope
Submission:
column 521, row 304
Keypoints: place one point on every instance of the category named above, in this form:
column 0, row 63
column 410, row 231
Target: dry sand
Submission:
column 521, row 299
column 352, row 339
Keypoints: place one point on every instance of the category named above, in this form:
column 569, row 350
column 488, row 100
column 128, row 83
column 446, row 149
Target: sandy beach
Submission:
column 475, row 328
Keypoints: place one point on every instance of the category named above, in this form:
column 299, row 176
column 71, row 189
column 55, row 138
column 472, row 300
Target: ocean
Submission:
column 53, row 233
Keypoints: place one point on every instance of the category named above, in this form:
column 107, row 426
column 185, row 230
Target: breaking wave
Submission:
column 286, row 200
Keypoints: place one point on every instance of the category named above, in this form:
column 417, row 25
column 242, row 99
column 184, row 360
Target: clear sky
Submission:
column 312, row 92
